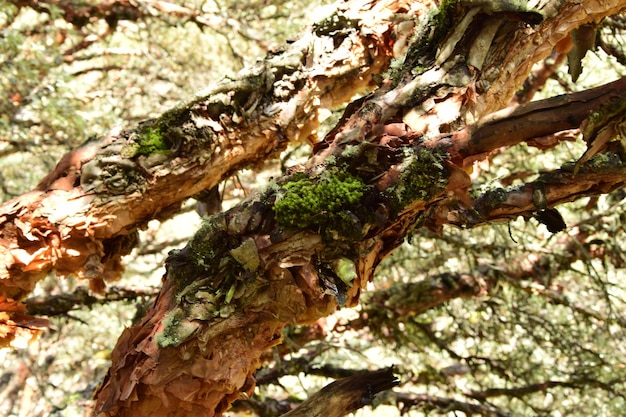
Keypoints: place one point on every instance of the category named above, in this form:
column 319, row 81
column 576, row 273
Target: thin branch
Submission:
column 522, row 391
column 62, row 304
column 346, row 395
column 441, row 404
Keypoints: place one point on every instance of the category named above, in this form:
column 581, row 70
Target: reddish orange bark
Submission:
column 84, row 215
column 247, row 273
column 292, row 275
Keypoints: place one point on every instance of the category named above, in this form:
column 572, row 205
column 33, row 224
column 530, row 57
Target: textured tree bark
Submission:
column 397, row 160
column 84, row 215
column 273, row 259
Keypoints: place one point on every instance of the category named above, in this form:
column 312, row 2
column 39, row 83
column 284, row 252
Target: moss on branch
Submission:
column 423, row 176
column 309, row 202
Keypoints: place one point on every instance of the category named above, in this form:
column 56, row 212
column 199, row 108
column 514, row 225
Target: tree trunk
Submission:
column 397, row 160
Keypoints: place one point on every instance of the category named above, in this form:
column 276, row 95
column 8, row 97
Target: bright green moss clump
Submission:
column 152, row 141
column 148, row 141
column 307, row 201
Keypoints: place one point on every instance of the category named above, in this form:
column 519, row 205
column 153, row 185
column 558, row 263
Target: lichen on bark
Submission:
column 422, row 176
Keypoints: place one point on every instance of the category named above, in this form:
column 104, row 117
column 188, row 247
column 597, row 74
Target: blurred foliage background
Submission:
column 537, row 324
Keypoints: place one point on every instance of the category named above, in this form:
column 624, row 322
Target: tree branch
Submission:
column 431, row 402
column 519, row 392
column 513, row 125
column 57, row 305
column 270, row 260
column 99, row 194
column 346, row 395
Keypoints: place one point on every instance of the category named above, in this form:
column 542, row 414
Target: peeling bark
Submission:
column 84, row 215
column 276, row 259
column 538, row 119
column 396, row 161
column 529, row 48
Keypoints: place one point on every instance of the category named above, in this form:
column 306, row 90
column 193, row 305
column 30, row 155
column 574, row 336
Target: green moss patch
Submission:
column 147, row 141
column 152, row 141
column 305, row 202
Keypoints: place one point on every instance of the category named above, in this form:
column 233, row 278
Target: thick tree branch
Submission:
column 84, row 215
column 600, row 175
column 272, row 259
column 513, row 125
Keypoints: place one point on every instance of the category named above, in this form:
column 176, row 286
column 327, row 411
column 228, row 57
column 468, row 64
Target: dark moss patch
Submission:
column 423, row 177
